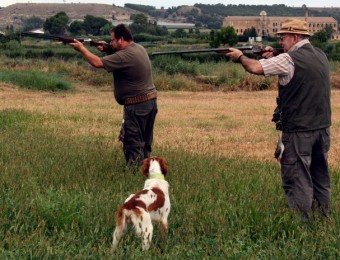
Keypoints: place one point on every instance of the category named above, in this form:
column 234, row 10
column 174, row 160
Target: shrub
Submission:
column 173, row 65
column 164, row 82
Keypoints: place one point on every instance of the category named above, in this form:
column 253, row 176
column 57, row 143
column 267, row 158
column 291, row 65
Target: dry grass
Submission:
column 232, row 124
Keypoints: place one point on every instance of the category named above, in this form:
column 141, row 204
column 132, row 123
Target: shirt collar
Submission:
column 299, row 44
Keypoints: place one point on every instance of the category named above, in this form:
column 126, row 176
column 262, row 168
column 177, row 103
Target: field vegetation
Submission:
column 63, row 174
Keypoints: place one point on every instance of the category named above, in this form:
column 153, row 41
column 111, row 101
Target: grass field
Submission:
column 63, row 177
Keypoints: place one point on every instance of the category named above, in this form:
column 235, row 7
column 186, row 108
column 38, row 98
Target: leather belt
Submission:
column 141, row 98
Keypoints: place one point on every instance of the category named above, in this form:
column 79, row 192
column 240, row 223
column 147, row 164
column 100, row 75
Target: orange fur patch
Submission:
column 159, row 202
column 134, row 203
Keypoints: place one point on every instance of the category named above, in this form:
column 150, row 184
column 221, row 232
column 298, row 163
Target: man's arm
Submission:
column 250, row 65
column 93, row 59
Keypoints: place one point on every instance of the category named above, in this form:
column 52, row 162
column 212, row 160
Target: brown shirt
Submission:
column 131, row 69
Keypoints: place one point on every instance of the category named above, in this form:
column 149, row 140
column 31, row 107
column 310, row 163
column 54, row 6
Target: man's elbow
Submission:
column 97, row 64
column 257, row 69
column 258, row 72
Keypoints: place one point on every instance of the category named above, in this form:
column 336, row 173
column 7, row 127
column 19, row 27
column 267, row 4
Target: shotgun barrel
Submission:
column 62, row 39
column 66, row 40
column 254, row 49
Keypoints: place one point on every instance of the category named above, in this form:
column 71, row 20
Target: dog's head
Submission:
column 155, row 165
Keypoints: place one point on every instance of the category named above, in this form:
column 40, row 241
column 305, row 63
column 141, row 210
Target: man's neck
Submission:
column 299, row 44
column 126, row 44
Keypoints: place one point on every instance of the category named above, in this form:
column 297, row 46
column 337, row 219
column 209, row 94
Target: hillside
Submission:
column 209, row 16
column 13, row 14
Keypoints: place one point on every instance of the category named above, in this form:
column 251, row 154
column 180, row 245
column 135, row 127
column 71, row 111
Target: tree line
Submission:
column 211, row 15
column 145, row 30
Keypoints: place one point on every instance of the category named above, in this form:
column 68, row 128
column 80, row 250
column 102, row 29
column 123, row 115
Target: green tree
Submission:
column 140, row 25
column 227, row 35
column 210, row 21
column 77, row 27
column 320, row 37
column 106, row 29
column 250, row 32
column 214, row 41
column 10, row 28
column 32, row 23
column 93, row 25
column 329, row 31
column 179, row 33
column 57, row 24
column 140, row 19
column 198, row 25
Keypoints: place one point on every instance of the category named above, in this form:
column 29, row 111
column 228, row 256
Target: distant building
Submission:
column 266, row 25
column 336, row 36
column 177, row 25
column 166, row 24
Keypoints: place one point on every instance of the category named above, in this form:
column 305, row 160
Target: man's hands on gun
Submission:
column 77, row 45
column 235, row 54
column 102, row 46
column 268, row 52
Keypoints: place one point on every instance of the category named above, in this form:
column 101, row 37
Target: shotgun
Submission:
column 66, row 40
column 257, row 50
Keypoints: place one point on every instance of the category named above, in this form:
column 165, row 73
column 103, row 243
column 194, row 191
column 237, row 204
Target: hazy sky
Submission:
column 170, row 3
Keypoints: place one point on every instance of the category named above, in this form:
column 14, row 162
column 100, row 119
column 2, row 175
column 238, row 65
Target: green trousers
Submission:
column 137, row 131
column 304, row 171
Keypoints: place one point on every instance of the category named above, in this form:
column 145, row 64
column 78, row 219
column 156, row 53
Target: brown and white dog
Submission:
column 150, row 204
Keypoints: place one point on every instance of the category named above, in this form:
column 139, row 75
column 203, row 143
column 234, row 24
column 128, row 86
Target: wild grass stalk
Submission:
column 63, row 174
column 59, row 194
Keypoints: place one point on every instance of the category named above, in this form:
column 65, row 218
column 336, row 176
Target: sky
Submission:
column 175, row 3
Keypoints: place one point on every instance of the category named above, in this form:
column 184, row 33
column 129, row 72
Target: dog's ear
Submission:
column 146, row 166
column 164, row 166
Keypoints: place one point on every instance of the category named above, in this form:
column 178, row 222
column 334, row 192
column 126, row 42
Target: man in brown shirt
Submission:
column 133, row 88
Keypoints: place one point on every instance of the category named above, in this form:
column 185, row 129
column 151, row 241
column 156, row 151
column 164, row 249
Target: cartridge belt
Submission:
column 141, row 98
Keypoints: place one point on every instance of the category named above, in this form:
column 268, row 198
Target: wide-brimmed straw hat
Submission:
column 294, row 26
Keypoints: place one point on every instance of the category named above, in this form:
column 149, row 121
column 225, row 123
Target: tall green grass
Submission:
column 38, row 50
column 171, row 72
column 37, row 80
column 59, row 195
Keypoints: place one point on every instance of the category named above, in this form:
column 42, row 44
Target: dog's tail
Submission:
column 121, row 218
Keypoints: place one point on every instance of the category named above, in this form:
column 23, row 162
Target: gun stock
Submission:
column 254, row 49
column 66, row 40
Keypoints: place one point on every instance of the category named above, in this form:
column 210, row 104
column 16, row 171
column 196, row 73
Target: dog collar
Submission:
column 156, row 175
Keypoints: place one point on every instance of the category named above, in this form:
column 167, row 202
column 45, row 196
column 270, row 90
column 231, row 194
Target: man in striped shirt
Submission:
column 304, row 113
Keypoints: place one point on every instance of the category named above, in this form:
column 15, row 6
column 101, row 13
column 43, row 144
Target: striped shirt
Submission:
column 282, row 65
